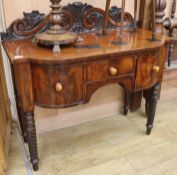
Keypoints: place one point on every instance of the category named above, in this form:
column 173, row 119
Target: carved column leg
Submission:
column 151, row 96
column 32, row 140
column 21, row 118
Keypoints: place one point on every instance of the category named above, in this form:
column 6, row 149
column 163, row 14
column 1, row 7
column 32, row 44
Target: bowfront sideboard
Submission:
column 68, row 78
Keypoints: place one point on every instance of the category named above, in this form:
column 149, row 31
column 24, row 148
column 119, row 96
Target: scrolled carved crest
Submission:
column 23, row 28
column 77, row 17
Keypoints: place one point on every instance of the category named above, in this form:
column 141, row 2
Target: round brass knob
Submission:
column 156, row 69
column 113, row 71
column 58, row 87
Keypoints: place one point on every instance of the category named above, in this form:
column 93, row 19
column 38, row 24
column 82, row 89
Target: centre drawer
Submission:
column 106, row 69
column 57, row 86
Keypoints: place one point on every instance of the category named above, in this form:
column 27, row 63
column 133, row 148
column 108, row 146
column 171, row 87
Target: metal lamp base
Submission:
column 56, row 39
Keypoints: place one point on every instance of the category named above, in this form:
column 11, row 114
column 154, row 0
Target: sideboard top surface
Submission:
column 26, row 50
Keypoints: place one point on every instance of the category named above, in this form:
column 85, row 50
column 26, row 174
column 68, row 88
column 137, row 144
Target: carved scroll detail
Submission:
column 27, row 27
column 77, row 17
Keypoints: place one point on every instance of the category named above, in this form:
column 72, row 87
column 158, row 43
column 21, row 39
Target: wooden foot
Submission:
column 125, row 112
column 32, row 140
column 149, row 129
column 35, row 164
column 151, row 96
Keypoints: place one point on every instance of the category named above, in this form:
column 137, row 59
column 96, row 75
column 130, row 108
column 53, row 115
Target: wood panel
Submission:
column 5, row 120
column 145, row 75
column 58, row 86
column 97, row 71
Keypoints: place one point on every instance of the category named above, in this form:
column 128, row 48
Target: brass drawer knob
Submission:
column 113, row 71
column 156, row 69
column 58, row 87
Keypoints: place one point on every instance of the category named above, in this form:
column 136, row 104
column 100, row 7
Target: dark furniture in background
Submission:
column 71, row 77
column 167, row 26
column 170, row 25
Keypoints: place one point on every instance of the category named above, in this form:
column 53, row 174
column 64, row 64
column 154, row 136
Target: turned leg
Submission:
column 32, row 140
column 21, row 118
column 151, row 96
column 126, row 102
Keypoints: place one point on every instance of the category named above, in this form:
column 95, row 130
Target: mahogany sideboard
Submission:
column 68, row 78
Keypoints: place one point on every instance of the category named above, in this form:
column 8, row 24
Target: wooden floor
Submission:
column 116, row 145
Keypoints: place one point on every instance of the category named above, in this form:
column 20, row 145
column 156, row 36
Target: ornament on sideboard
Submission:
column 106, row 16
column 120, row 35
column 56, row 35
column 153, row 7
column 122, row 15
column 153, row 22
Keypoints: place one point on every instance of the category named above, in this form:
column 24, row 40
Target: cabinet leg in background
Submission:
column 135, row 100
column 126, row 102
column 32, row 139
column 151, row 96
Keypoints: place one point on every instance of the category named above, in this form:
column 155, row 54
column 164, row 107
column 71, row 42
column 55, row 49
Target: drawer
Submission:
column 106, row 69
column 57, row 86
column 147, row 70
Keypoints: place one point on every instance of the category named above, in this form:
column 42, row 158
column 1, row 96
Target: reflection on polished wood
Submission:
column 25, row 50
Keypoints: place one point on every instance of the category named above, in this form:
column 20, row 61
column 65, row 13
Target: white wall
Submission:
column 7, row 68
column 1, row 21
column 15, row 8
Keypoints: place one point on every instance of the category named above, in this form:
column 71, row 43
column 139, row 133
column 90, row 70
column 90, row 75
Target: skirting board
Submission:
column 66, row 119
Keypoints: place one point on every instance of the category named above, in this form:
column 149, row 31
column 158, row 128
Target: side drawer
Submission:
column 103, row 70
column 57, row 86
column 147, row 70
